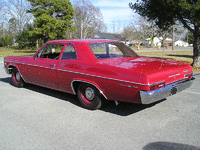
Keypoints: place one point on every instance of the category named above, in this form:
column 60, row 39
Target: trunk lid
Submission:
column 157, row 70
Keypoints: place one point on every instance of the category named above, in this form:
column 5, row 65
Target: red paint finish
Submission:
column 119, row 79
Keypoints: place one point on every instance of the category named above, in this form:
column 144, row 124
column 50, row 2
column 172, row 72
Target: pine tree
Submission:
column 53, row 19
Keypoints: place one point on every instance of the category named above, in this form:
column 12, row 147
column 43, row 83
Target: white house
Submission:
column 156, row 41
column 181, row 43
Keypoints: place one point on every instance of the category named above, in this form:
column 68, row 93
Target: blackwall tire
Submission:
column 17, row 79
column 89, row 96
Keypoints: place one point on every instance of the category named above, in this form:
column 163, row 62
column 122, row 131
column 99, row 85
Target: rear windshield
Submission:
column 111, row 49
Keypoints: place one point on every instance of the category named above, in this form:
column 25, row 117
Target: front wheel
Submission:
column 89, row 96
column 17, row 79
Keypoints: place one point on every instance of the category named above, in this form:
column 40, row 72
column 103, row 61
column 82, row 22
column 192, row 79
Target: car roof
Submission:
column 86, row 54
column 82, row 41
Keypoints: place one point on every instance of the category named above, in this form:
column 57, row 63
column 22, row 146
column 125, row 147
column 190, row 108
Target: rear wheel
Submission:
column 89, row 96
column 17, row 79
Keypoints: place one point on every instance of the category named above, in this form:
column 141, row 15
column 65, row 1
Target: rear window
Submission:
column 111, row 50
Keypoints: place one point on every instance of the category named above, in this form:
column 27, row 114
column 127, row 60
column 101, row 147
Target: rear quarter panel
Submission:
column 115, row 83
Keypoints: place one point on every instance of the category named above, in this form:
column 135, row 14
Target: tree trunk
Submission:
column 37, row 43
column 151, row 43
column 196, row 50
column 152, row 39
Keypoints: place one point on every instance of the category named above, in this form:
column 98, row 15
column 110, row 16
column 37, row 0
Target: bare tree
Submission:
column 138, row 30
column 149, row 29
column 131, row 33
column 16, row 10
column 2, row 22
column 179, row 31
column 88, row 19
column 141, row 29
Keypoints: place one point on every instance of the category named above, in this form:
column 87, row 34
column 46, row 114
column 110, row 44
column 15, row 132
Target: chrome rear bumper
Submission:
column 6, row 70
column 148, row 97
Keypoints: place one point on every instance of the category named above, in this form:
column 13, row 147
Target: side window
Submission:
column 106, row 50
column 51, row 51
column 69, row 53
column 114, row 51
column 100, row 50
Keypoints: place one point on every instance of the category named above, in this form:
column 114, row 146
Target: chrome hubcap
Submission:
column 89, row 93
column 18, row 76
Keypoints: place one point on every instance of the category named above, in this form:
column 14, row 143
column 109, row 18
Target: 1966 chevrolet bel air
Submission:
column 99, row 70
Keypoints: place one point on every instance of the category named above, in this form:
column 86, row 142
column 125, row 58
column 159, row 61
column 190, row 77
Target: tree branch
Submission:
column 185, row 24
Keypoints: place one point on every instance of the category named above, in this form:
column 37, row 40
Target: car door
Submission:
column 43, row 68
column 67, row 68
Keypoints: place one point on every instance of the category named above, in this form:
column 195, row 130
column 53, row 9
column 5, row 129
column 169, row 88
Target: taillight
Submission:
column 157, row 86
column 188, row 76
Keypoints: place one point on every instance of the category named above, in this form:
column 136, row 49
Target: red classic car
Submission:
column 99, row 70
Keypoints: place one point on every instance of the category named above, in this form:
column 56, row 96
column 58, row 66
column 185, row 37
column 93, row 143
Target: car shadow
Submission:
column 50, row 92
column 169, row 146
column 6, row 80
column 123, row 109
column 54, row 93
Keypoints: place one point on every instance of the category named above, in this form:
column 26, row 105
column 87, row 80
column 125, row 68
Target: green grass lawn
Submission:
column 4, row 51
column 180, row 56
